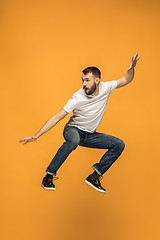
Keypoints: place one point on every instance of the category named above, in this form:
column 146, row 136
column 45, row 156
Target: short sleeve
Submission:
column 111, row 85
column 71, row 104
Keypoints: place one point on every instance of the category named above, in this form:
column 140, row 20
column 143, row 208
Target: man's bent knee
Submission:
column 121, row 145
column 72, row 144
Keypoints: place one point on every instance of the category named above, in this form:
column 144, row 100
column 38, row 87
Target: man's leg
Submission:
column 114, row 145
column 102, row 141
column 72, row 138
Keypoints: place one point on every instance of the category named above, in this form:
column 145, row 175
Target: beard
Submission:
column 91, row 90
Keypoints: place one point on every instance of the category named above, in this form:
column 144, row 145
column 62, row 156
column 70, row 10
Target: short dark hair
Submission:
column 94, row 70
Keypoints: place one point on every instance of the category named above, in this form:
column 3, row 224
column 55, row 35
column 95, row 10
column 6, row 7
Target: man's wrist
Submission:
column 130, row 68
column 36, row 135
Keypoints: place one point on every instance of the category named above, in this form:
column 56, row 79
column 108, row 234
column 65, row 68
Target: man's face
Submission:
column 89, row 83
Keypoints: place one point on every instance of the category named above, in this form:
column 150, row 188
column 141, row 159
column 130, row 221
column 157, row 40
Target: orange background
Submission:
column 45, row 45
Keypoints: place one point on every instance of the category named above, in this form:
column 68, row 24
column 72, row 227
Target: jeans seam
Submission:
column 97, row 170
column 54, row 174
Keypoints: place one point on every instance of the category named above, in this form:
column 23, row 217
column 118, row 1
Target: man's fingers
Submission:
column 22, row 140
column 135, row 60
column 138, row 57
column 26, row 139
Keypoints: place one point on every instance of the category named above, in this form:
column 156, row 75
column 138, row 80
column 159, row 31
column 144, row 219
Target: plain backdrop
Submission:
column 45, row 45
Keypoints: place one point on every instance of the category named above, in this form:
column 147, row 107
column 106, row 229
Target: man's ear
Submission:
column 97, row 80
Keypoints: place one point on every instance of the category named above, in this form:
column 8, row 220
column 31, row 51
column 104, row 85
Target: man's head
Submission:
column 90, row 79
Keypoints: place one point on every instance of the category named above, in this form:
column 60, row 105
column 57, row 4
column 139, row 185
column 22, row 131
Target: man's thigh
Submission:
column 99, row 140
column 71, row 134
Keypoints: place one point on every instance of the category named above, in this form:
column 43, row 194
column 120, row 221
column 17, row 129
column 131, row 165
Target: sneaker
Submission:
column 48, row 184
column 95, row 183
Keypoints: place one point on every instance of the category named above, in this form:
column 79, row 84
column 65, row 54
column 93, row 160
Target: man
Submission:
column 88, row 105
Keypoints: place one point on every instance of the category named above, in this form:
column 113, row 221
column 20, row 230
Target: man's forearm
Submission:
column 47, row 126
column 129, row 75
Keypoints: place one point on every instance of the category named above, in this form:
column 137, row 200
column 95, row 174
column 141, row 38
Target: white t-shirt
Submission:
column 88, row 110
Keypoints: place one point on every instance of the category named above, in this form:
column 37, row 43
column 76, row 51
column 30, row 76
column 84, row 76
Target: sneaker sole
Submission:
column 47, row 188
column 90, row 184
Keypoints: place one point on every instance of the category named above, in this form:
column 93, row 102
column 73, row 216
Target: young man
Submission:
column 88, row 105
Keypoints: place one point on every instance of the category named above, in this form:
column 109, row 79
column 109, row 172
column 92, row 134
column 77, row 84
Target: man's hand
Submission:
column 29, row 139
column 134, row 61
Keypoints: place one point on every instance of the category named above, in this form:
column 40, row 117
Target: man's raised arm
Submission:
column 51, row 122
column 130, row 73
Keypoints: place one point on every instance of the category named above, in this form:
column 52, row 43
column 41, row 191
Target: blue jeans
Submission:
column 75, row 136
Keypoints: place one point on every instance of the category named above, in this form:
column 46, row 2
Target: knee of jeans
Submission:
column 74, row 142
column 120, row 145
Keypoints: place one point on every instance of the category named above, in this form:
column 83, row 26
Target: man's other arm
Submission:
column 51, row 122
